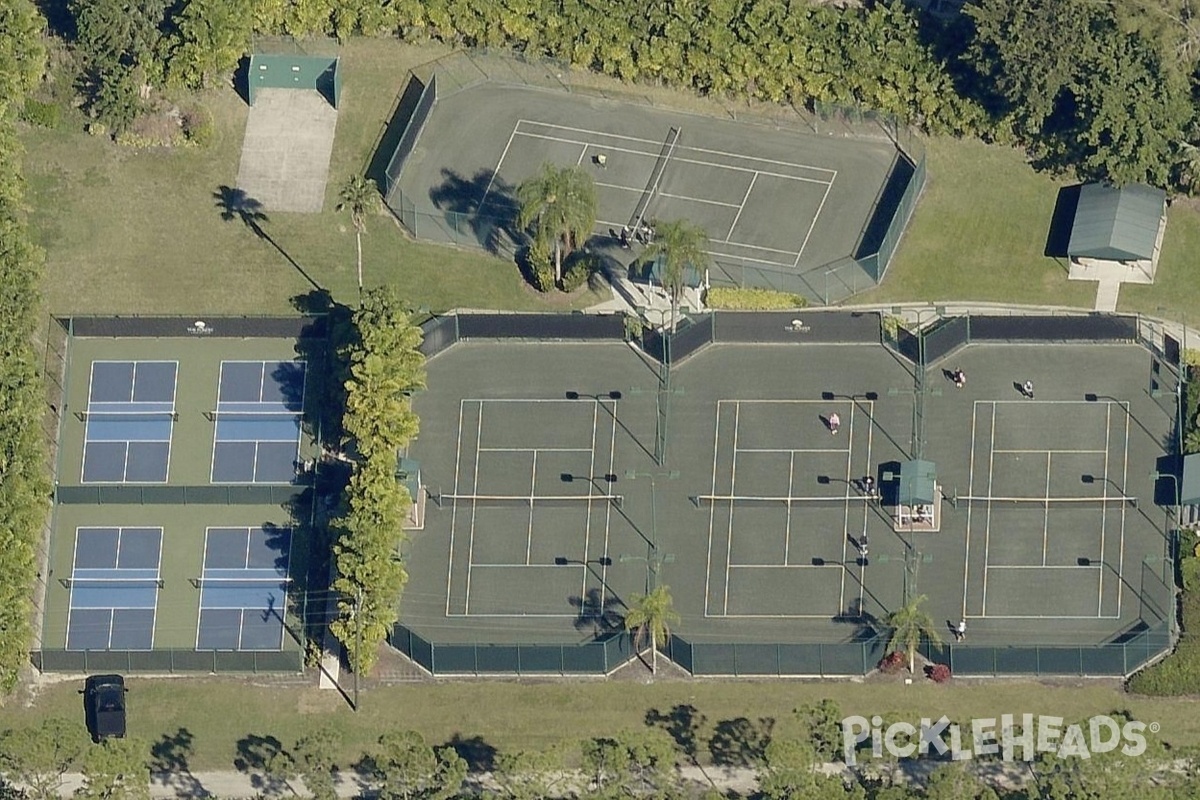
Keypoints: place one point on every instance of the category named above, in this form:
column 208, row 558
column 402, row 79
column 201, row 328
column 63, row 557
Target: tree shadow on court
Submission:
column 460, row 198
column 867, row 623
column 479, row 755
column 740, row 742
column 170, row 766
column 236, row 204
column 267, row 761
column 598, row 612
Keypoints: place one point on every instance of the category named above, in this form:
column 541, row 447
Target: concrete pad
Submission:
column 286, row 150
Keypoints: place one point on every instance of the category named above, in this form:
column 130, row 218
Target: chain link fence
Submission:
column 596, row 658
column 167, row 661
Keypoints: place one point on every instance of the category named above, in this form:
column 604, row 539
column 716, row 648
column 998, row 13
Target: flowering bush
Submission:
column 892, row 663
column 938, row 673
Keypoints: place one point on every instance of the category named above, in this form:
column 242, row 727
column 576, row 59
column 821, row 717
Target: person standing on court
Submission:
column 960, row 633
column 960, row 378
column 835, row 422
column 1028, row 388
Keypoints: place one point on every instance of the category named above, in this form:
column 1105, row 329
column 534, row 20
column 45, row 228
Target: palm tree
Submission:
column 558, row 204
column 361, row 198
column 680, row 244
column 651, row 617
column 909, row 626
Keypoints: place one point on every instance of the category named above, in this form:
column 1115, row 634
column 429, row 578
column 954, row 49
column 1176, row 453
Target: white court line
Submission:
column 712, row 512
column 474, row 509
column 496, row 171
column 737, row 413
column 608, row 510
column 813, row 224
column 1104, row 506
column 787, row 566
column 1046, row 518
column 1047, row 450
column 741, row 208
column 792, row 450
column 787, row 534
column 971, row 491
column 674, row 159
column 1124, row 485
column 1072, row 567
column 620, row 188
column 582, row 153
column 657, row 143
column 533, row 449
column 754, row 247
column 691, row 199
column 846, row 509
column 987, row 527
column 1045, row 616
column 532, row 493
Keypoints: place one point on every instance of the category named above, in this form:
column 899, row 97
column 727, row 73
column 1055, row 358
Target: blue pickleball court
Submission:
column 257, row 421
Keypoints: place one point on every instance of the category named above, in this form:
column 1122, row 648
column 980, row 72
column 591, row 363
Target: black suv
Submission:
column 104, row 699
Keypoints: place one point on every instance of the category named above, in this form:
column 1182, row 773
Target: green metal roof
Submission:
column 1189, row 493
column 917, row 482
column 1116, row 223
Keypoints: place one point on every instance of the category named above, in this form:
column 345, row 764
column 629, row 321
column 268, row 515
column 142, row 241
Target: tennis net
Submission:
column 127, row 416
column 664, row 156
column 1101, row 501
column 119, row 583
column 534, row 501
column 704, row 500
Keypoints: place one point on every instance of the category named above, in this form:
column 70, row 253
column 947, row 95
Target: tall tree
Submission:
column 119, row 32
column 313, row 757
column 404, row 767
column 910, row 625
column 558, row 205
column 210, row 37
column 678, row 244
column 359, row 197
column 22, row 53
column 650, row 618
column 39, row 756
column 119, row 769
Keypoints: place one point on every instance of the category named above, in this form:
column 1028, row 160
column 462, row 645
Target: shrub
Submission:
column 634, row 328
column 938, row 673
column 893, row 662
column 734, row 299
column 539, row 267
column 198, row 126
column 578, row 269
column 40, row 114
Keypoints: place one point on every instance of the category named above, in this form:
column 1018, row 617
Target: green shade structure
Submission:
column 1116, row 223
column 408, row 472
column 918, row 483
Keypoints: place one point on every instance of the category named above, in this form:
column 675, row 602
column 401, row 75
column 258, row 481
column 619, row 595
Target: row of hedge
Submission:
column 24, row 486
column 386, row 367
column 1179, row 673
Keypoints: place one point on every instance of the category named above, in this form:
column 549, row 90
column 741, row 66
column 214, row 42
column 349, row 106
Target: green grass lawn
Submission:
column 979, row 233
column 510, row 715
column 138, row 231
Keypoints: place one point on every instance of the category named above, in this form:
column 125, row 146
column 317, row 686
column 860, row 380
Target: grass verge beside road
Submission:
column 510, row 715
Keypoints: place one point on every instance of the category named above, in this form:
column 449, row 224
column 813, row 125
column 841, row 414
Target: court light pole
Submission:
column 1176, row 506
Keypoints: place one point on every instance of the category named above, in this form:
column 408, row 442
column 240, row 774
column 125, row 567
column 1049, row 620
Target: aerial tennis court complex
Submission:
column 181, row 515
column 782, row 208
column 549, row 508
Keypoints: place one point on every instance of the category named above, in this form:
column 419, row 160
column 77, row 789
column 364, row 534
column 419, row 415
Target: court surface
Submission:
column 547, row 513
column 769, row 198
column 196, row 554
